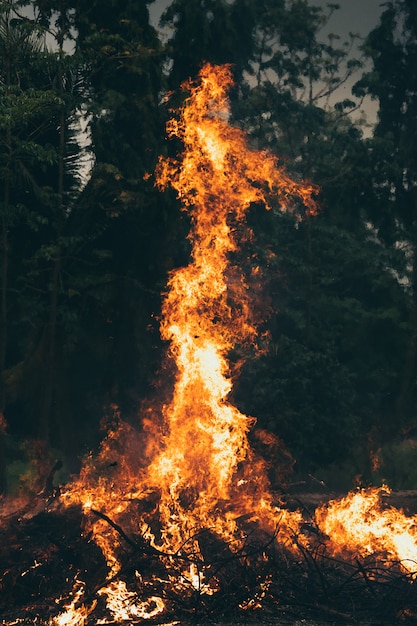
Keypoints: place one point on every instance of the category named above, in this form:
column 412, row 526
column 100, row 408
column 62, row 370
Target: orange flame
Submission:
column 200, row 465
column 194, row 463
column 217, row 178
column 74, row 615
column 198, row 471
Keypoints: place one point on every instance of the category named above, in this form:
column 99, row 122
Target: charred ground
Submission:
column 44, row 551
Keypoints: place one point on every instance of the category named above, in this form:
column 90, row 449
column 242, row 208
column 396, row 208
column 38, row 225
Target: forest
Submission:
column 88, row 241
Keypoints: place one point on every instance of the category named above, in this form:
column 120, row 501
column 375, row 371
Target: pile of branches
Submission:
column 44, row 553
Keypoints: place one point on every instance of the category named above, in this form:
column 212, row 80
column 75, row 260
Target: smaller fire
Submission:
column 124, row 605
column 75, row 614
column 359, row 525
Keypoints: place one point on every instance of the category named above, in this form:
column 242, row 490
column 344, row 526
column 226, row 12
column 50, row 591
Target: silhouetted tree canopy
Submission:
column 87, row 241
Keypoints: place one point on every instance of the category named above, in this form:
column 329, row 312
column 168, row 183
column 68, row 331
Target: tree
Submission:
column 61, row 73
column 90, row 277
column 127, row 254
column 215, row 31
column 325, row 387
column 25, row 113
column 392, row 49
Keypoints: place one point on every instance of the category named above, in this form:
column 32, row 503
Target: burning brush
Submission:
column 192, row 527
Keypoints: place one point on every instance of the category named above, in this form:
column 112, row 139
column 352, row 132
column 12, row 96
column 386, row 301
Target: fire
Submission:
column 201, row 470
column 192, row 469
column 360, row 525
column 74, row 615
column 124, row 605
column 217, row 178
column 203, row 439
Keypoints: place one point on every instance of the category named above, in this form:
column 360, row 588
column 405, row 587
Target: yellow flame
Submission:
column 124, row 605
column 73, row 615
column 359, row 524
column 201, row 471
column 217, row 177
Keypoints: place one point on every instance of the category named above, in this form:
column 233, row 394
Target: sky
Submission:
column 357, row 16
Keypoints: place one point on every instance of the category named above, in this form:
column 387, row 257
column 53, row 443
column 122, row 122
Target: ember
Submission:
column 185, row 523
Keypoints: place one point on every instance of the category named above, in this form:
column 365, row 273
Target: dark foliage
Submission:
column 87, row 242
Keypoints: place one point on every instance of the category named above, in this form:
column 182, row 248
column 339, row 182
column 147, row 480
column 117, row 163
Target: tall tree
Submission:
column 129, row 224
column 283, row 100
column 25, row 112
column 61, row 70
column 217, row 31
column 392, row 49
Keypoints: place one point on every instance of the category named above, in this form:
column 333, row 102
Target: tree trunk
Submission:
column 3, row 346
column 3, row 297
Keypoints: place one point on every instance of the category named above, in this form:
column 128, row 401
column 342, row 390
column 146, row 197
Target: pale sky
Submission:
column 358, row 16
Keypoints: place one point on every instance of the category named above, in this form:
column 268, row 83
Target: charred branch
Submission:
column 44, row 555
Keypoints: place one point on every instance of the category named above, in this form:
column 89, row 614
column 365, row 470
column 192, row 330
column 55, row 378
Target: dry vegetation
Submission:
column 44, row 552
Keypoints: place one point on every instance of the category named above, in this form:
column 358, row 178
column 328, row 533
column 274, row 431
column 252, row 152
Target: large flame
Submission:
column 200, row 473
column 217, row 178
column 203, row 440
